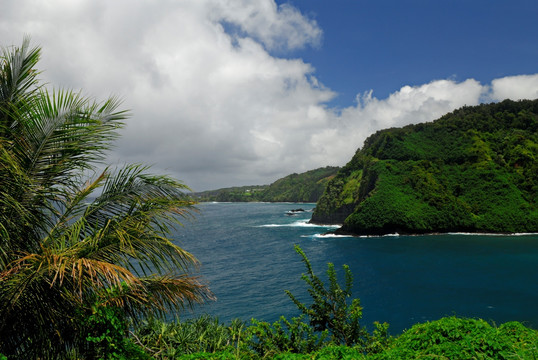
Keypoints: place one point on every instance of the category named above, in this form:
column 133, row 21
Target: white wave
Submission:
column 301, row 223
column 377, row 236
column 490, row 234
column 331, row 235
column 326, row 236
column 215, row 202
column 374, row 236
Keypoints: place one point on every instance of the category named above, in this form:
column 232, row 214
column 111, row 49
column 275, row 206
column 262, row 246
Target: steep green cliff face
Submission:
column 475, row 170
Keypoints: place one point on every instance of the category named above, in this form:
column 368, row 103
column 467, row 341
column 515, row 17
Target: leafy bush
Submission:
column 327, row 353
column 106, row 334
column 330, row 310
column 165, row 340
column 293, row 336
column 462, row 338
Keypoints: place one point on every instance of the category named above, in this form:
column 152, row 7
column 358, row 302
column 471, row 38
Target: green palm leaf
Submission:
column 18, row 73
column 69, row 242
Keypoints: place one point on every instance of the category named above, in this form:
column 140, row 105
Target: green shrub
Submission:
column 224, row 355
column 206, row 334
column 330, row 310
column 293, row 336
column 106, row 335
column 339, row 353
column 523, row 341
column 462, row 338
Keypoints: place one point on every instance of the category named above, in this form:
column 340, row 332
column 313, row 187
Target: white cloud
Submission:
column 515, row 87
column 407, row 106
column 276, row 26
column 211, row 104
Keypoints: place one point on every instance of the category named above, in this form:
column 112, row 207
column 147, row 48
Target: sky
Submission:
column 243, row 92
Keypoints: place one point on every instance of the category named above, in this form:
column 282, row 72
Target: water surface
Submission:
column 247, row 256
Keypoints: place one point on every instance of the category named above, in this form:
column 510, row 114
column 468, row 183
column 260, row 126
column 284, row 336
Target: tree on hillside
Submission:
column 73, row 239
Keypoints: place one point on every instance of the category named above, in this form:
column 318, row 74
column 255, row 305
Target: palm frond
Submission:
column 63, row 132
column 19, row 223
column 73, row 206
column 60, row 252
column 61, row 271
column 131, row 190
column 17, row 73
column 155, row 295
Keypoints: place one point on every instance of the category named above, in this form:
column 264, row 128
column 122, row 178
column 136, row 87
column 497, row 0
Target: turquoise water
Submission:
column 247, row 256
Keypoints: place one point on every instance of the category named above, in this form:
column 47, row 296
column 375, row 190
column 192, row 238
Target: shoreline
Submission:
column 339, row 231
column 465, row 233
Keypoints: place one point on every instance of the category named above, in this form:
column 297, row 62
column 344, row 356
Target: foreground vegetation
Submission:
column 448, row 338
column 475, row 170
column 305, row 187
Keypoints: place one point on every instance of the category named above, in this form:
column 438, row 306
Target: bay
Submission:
column 248, row 260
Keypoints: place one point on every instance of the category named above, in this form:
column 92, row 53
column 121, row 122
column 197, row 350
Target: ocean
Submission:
column 247, row 258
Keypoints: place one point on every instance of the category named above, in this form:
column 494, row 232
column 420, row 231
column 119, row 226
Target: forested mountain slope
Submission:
column 304, row 187
column 475, row 169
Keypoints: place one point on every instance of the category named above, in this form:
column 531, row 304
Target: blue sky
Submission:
column 243, row 92
column 384, row 45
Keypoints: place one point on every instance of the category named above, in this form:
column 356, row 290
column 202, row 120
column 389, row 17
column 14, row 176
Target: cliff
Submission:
column 472, row 170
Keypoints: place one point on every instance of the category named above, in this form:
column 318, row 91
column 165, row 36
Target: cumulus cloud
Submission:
column 407, row 106
column 275, row 26
column 212, row 105
column 515, row 87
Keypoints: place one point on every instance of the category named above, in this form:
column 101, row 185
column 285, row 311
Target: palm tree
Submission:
column 71, row 236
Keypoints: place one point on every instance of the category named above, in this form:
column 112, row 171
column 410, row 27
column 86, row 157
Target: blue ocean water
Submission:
column 247, row 256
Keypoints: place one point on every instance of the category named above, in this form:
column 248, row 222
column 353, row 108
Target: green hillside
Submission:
column 305, row 187
column 472, row 170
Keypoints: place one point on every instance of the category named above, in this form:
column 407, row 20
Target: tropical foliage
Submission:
column 205, row 334
column 304, row 187
column 75, row 238
column 330, row 310
column 472, row 170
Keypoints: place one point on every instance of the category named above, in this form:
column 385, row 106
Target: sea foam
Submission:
column 301, row 223
column 326, row 236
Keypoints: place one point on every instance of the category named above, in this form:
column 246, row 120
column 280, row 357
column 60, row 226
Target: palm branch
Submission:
column 69, row 241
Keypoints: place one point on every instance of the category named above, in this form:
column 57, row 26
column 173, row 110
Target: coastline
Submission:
column 341, row 232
